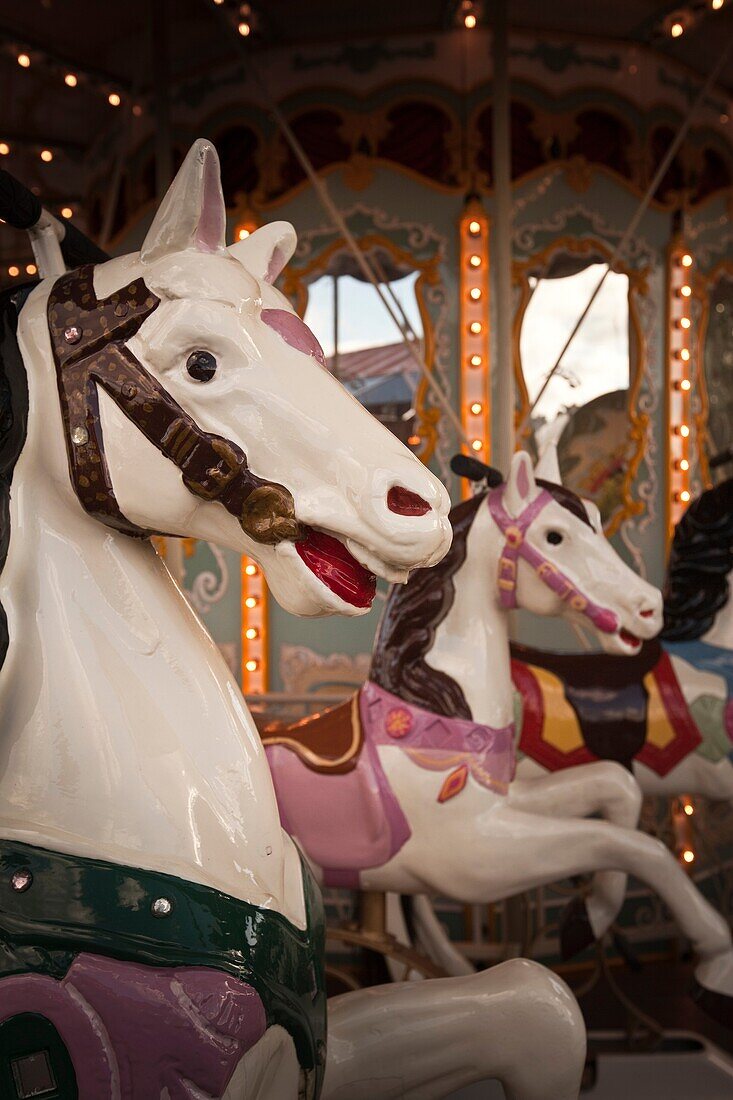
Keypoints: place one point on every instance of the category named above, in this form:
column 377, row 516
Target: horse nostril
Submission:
column 406, row 503
column 647, row 614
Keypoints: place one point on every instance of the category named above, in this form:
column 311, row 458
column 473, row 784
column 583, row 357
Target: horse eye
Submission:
column 201, row 365
column 554, row 537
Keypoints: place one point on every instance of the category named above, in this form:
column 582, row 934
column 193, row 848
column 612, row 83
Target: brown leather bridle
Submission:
column 88, row 338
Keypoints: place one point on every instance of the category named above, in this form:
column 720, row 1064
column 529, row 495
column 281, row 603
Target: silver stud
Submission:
column 72, row 334
column 79, row 435
column 21, row 880
column 162, row 907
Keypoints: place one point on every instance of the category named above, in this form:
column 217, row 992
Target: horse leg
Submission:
column 604, row 788
column 517, row 1023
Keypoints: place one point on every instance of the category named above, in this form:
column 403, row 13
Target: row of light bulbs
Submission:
column 678, row 22
column 25, row 58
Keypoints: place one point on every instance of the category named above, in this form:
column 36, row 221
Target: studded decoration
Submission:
column 454, row 783
column 162, row 907
column 21, row 880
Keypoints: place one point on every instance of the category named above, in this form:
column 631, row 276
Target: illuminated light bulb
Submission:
column 469, row 21
column 676, row 30
column 476, row 327
column 414, row 440
column 250, row 570
column 684, row 496
column 251, row 666
column 688, row 855
column 689, row 809
column 685, row 322
column 251, row 633
column 684, row 431
column 685, row 355
column 475, row 360
column 24, row 60
column 685, row 384
column 474, row 228
column 716, row 5
column 71, row 80
column 477, row 444
column 474, row 293
column 218, row 2
column 685, row 290
column 67, row 212
column 13, row 271
column 31, row 269
column 476, row 408
column 46, row 156
column 475, row 261
column 251, row 601
column 242, row 234
column 114, row 99
column 686, row 260
column 683, row 465
column 244, row 29
column 4, row 148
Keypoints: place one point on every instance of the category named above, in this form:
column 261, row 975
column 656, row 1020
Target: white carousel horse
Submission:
column 668, row 713
column 160, row 934
column 410, row 788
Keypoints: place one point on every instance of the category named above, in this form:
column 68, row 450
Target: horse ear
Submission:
column 548, row 467
column 520, row 486
column 266, row 251
column 192, row 214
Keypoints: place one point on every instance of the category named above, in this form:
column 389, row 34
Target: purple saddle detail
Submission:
column 137, row 1031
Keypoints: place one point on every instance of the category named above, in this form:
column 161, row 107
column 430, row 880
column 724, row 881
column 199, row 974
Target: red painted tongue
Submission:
column 339, row 570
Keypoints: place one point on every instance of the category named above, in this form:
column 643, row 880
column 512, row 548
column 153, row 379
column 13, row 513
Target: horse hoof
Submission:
column 576, row 932
column 716, row 1005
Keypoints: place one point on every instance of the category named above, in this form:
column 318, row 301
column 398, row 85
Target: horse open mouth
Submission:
column 629, row 639
column 335, row 567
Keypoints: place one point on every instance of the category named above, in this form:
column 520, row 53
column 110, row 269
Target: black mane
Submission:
column 700, row 561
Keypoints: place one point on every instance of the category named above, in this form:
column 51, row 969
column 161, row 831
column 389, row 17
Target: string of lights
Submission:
column 680, row 323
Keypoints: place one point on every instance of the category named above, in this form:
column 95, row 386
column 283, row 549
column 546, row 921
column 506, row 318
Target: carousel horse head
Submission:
column 196, row 403
column 555, row 560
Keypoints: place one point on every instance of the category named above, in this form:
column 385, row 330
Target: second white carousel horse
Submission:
column 410, row 788
column 160, row 935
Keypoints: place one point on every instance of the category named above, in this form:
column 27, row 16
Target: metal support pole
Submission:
column 161, row 97
column 503, row 436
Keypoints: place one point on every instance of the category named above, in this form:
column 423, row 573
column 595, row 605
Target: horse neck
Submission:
column 721, row 632
column 471, row 645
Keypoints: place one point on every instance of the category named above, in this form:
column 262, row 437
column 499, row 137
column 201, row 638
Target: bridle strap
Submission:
column 517, row 546
column 88, row 338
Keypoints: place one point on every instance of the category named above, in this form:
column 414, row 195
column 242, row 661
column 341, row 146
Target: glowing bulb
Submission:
column 4, row 148
column 686, row 260
column 13, row 271
column 251, row 633
column 685, row 355
column 24, row 60
column 676, row 30
column 46, row 156
column 250, row 570
column 414, row 440
column 218, row 2
column 474, row 293
column 71, row 80
column 476, row 408
column 242, row 234
column 683, row 464
column 688, row 855
column 685, row 384
column 689, row 809
column 475, row 261
column 477, row 444
column 31, row 269
column 685, row 290
column 475, row 360
column 114, row 99
column 474, row 228
column 684, row 496
column 475, row 327
column 716, row 5
column 67, row 212
column 469, row 21
column 251, row 601
column 685, row 322
column 684, row 431
column 244, row 29
column 251, row 666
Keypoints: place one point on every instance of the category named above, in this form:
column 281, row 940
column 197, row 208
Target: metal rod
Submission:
column 502, row 446
column 635, row 221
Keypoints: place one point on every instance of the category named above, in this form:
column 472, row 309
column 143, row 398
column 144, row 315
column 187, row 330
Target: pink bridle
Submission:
column 516, row 546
